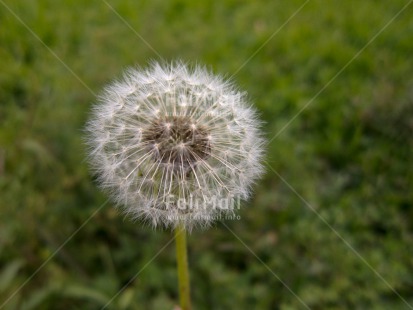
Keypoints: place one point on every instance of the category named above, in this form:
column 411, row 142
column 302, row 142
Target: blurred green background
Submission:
column 347, row 156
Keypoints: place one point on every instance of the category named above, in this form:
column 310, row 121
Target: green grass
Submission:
column 348, row 155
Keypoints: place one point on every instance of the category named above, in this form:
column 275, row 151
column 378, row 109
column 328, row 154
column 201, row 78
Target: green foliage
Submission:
column 348, row 155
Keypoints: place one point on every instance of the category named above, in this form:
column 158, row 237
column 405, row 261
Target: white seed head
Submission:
column 175, row 145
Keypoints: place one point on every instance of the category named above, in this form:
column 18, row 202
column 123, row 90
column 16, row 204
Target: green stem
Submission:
column 183, row 274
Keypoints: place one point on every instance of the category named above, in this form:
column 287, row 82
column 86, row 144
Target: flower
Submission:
column 175, row 145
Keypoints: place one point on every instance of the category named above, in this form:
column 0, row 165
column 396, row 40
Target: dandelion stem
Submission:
column 182, row 261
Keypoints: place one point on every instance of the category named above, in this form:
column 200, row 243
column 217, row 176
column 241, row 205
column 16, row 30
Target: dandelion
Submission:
column 177, row 147
column 174, row 145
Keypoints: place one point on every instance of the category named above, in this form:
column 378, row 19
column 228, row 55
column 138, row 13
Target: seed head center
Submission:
column 177, row 141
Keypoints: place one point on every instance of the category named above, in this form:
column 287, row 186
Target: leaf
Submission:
column 9, row 273
column 39, row 296
column 126, row 299
column 79, row 291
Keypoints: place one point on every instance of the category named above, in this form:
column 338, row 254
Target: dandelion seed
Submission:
column 175, row 146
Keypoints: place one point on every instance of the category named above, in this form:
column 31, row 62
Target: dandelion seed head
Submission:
column 174, row 144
